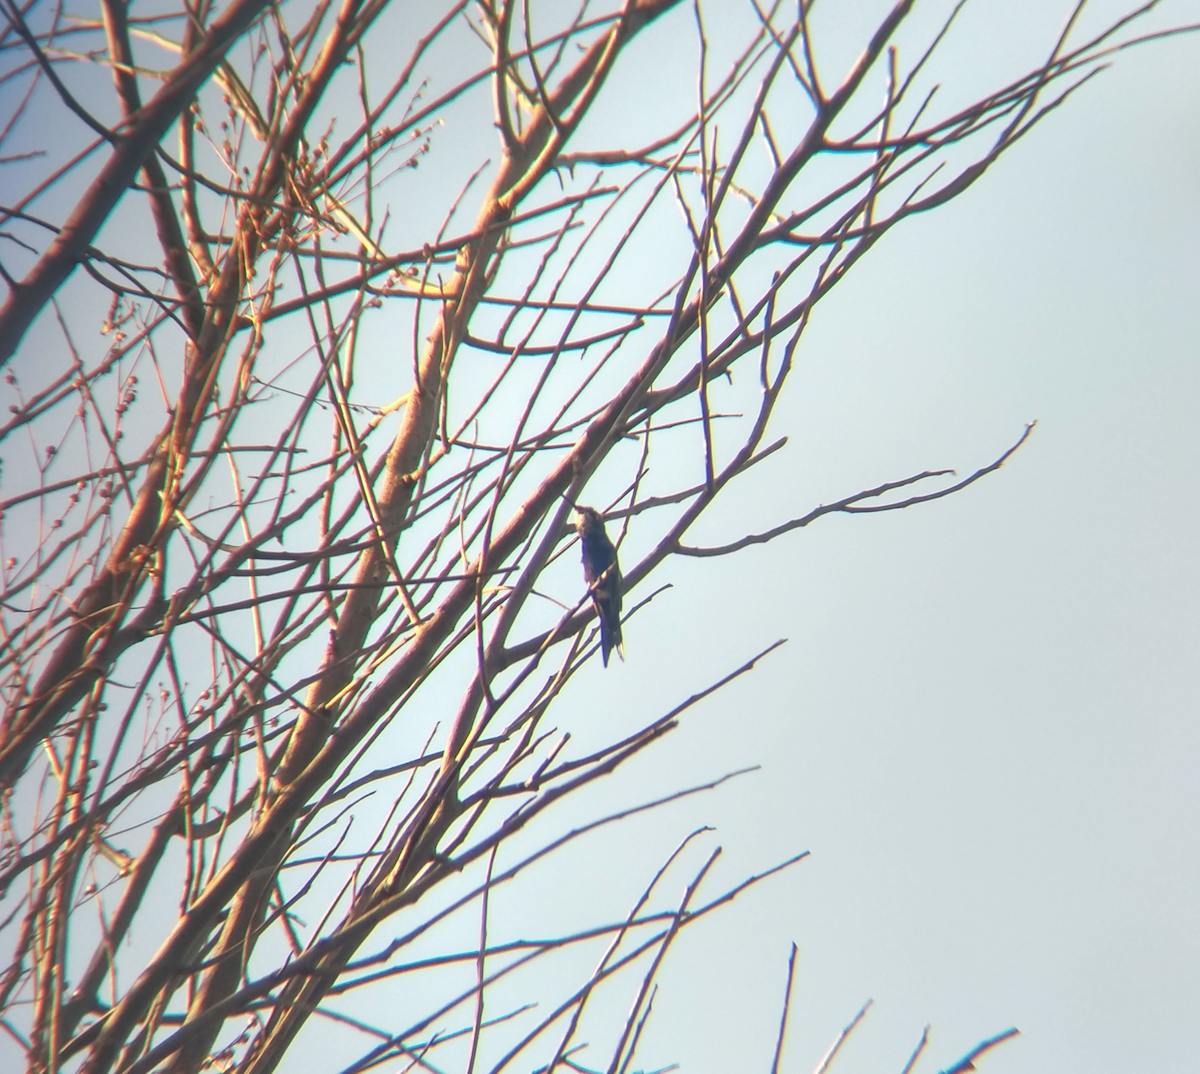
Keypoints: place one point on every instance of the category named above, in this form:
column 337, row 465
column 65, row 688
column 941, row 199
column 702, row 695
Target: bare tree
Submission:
column 244, row 592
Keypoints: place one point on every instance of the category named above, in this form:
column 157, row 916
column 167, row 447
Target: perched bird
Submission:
column 603, row 576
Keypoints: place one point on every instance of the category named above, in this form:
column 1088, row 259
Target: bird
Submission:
column 603, row 576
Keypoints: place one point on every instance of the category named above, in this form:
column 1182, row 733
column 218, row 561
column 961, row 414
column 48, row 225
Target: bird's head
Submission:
column 587, row 521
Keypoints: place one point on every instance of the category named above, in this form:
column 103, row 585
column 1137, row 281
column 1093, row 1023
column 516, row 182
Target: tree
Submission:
column 244, row 594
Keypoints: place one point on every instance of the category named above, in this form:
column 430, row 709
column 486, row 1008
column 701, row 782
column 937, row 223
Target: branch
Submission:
column 853, row 504
column 137, row 140
column 967, row 1062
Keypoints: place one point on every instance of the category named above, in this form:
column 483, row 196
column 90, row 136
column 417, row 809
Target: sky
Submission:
column 984, row 723
column 983, row 726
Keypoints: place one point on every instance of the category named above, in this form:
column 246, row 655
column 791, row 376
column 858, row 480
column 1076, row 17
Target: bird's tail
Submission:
column 610, row 639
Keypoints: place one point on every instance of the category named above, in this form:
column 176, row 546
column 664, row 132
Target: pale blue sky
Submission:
column 985, row 723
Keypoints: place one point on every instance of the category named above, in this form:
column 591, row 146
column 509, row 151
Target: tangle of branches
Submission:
column 381, row 290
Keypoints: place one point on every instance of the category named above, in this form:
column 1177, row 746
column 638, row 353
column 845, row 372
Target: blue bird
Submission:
column 603, row 576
